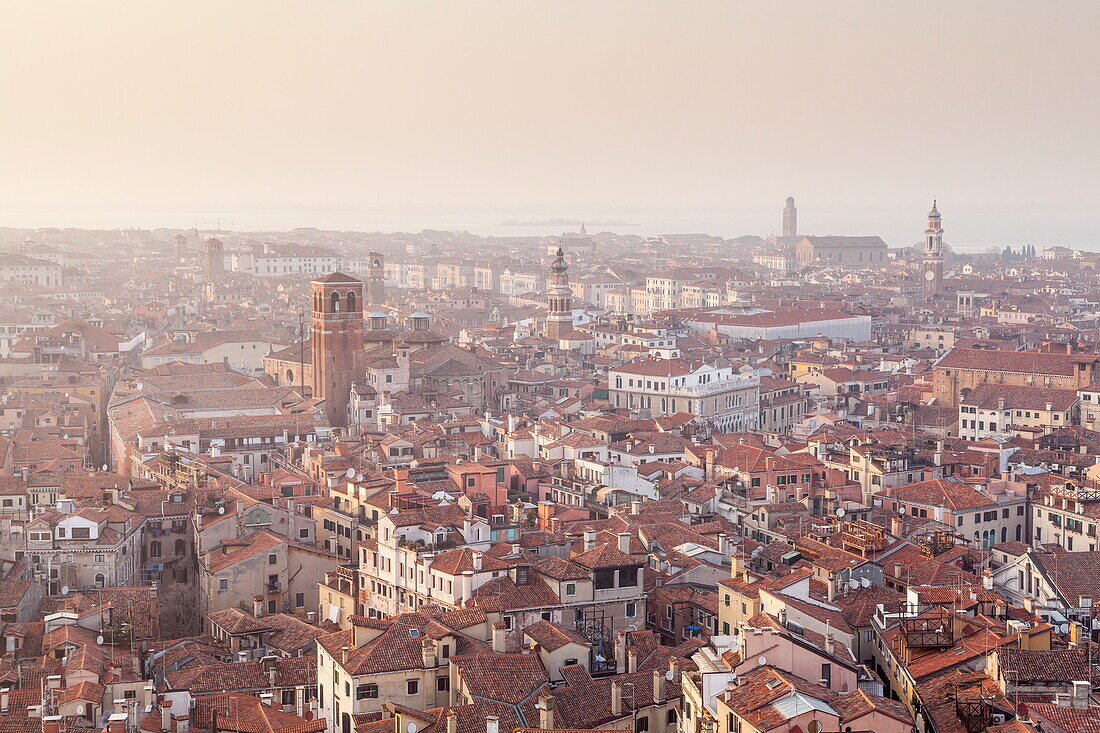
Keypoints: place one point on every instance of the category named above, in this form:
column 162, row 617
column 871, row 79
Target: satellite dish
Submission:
column 853, row 583
column 221, row 510
column 865, row 583
column 64, row 590
column 840, row 512
column 1063, row 629
column 140, row 386
column 411, row 728
column 350, row 472
column 104, row 466
column 761, row 661
column 668, row 674
column 901, row 511
column 99, row 639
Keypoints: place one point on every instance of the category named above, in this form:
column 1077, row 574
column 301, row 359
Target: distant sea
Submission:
column 965, row 230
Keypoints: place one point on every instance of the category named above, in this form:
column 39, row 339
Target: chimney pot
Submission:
column 658, row 686
column 546, row 712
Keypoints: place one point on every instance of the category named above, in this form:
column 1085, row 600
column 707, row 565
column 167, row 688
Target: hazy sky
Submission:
column 673, row 113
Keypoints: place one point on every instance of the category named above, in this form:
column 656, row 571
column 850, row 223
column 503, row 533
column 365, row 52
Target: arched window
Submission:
column 181, row 547
column 1004, row 534
column 154, row 548
column 336, row 302
column 100, row 580
column 1019, row 532
column 351, row 301
column 290, row 376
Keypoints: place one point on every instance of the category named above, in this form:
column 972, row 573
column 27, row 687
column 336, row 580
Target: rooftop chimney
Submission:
column 624, row 542
column 616, row 699
column 452, row 721
column 499, row 638
column 166, row 715
column 589, row 539
column 52, row 724
column 116, row 723
column 258, row 606
column 546, row 712
column 492, row 724
column 658, row 686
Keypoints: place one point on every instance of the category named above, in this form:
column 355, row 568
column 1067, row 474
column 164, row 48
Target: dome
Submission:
column 934, row 213
column 790, row 201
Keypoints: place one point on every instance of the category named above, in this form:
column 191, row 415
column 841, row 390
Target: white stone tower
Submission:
column 933, row 254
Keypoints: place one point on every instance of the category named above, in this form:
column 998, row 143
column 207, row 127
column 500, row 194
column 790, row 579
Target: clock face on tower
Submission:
column 929, row 275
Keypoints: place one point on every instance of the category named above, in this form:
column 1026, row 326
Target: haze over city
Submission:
column 675, row 117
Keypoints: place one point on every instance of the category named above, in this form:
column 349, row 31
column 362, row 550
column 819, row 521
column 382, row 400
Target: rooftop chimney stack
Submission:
column 546, row 712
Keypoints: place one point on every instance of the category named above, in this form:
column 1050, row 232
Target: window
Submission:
column 299, row 600
column 508, row 623
column 272, row 559
column 223, row 583
column 366, row 692
column 570, row 589
column 641, row 724
column 442, row 683
column 628, row 577
column 82, row 533
column 631, row 610
column 412, row 687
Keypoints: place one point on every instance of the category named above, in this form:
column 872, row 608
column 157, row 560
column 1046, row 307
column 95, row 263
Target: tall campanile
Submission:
column 376, row 279
column 559, row 316
column 790, row 219
column 933, row 254
column 336, row 323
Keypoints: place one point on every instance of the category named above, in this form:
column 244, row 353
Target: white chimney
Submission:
column 624, row 542
column 546, row 712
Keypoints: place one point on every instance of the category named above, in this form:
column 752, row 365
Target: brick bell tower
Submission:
column 336, row 323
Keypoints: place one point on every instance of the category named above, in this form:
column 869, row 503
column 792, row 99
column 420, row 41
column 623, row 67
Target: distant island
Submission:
column 562, row 223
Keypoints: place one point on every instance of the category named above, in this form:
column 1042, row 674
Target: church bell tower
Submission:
column 336, row 325
column 933, row 254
